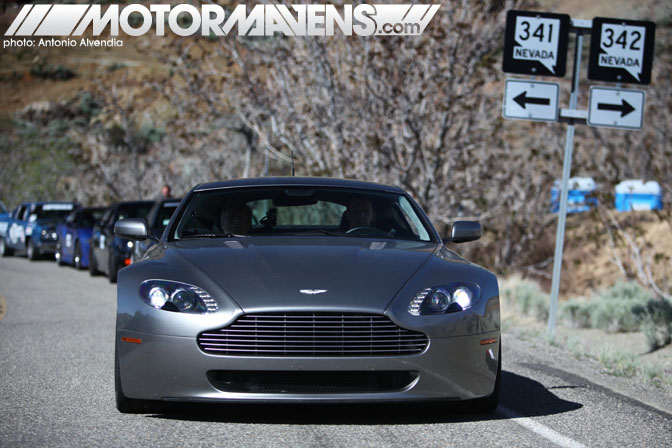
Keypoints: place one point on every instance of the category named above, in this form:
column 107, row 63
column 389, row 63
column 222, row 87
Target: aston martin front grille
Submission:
column 311, row 335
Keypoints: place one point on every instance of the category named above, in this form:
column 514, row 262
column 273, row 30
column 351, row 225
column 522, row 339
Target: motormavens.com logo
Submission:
column 213, row 20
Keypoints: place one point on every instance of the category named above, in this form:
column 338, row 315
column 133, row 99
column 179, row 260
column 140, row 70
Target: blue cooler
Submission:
column 579, row 196
column 635, row 194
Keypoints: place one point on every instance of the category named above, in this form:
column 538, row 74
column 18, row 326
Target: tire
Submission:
column 4, row 250
column 488, row 405
column 124, row 404
column 78, row 257
column 93, row 265
column 31, row 251
column 112, row 268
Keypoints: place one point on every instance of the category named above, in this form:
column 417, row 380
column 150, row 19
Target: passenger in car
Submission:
column 360, row 213
column 236, row 219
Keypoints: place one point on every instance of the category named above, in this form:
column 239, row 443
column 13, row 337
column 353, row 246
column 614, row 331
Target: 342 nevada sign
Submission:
column 535, row 43
column 621, row 50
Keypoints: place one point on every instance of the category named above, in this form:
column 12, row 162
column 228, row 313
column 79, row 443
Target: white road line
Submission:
column 543, row 431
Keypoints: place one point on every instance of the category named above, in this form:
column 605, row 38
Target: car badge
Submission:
column 312, row 292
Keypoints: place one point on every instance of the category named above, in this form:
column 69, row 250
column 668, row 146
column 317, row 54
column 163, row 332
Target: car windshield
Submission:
column 164, row 214
column 91, row 216
column 271, row 211
column 139, row 210
column 51, row 211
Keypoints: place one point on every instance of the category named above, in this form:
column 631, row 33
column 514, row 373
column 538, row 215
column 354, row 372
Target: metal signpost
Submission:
column 536, row 44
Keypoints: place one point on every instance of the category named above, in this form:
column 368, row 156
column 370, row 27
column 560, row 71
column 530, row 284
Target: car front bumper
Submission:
column 170, row 368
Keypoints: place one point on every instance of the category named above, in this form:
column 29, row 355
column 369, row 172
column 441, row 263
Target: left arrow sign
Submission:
column 523, row 99
column 530, row 100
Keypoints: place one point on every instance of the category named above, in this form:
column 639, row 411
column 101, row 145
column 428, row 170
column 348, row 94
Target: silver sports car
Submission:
column 304, row 290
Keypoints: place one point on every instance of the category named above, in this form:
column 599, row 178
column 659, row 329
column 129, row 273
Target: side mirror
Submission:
column 464, row 231
column 131, row 228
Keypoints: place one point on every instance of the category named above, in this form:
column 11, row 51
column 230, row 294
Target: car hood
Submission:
column 308, row 273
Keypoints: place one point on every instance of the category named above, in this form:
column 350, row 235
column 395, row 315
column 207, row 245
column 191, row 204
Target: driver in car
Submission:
column 236, row 219
column 360, row 213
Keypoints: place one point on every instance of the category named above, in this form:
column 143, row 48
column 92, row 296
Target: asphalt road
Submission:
column 56, row 389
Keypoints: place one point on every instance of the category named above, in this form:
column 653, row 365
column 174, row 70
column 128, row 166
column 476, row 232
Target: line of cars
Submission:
column 81, row 236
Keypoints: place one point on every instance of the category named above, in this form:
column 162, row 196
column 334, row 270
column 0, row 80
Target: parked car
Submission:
column 31, row 227
column 74, row 236
column 109, row 253
column 157, row 220
column 304, row 290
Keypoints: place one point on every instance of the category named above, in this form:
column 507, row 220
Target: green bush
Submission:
column 612, row 310
column 57, row 72
column 531, row 300
column 575, row 313
column 656, row 322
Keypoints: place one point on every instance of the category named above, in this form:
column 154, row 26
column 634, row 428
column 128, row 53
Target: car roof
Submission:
column 297, row 181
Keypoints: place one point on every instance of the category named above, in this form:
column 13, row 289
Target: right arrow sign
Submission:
column 624, row 108
column 616, row 108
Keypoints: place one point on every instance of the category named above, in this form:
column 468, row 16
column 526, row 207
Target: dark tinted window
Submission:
column 52, row 211
column 89, row 217
column 126, row 211
column 285, row 210
column 163, row 216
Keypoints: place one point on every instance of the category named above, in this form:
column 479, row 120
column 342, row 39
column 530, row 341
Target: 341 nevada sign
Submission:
column 535, row 43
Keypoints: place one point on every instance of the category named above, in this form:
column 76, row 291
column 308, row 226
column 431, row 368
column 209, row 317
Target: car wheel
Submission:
column 4, row 250
column 31, row 250
column 112, row 268
column 93, row 265
column 78, row 256
column 488, row 405
column 124, row 404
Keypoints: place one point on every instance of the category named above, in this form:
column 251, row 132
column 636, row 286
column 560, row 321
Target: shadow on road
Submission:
column 520, row 394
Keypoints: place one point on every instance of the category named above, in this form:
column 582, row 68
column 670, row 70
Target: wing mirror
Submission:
column 132, row 229
column 464, row 231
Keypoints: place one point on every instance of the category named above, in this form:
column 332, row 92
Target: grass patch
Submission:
column 575, row 346
column 617, row 362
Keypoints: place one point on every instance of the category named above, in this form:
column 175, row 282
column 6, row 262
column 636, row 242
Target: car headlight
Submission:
column 178, row 297
column 449, row 298
column 48, row 234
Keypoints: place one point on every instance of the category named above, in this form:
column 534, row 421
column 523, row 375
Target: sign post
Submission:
column 536, row 44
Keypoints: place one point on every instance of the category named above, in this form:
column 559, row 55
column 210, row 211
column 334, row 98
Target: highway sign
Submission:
column 621, row 50
column 616, row 108
column 530, row 100
column 535, row 43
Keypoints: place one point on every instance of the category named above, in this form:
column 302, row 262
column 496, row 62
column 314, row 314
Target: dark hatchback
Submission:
column 74, row 236
column 109, row 253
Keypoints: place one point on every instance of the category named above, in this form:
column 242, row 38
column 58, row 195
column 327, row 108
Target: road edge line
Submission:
column 544, row 431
